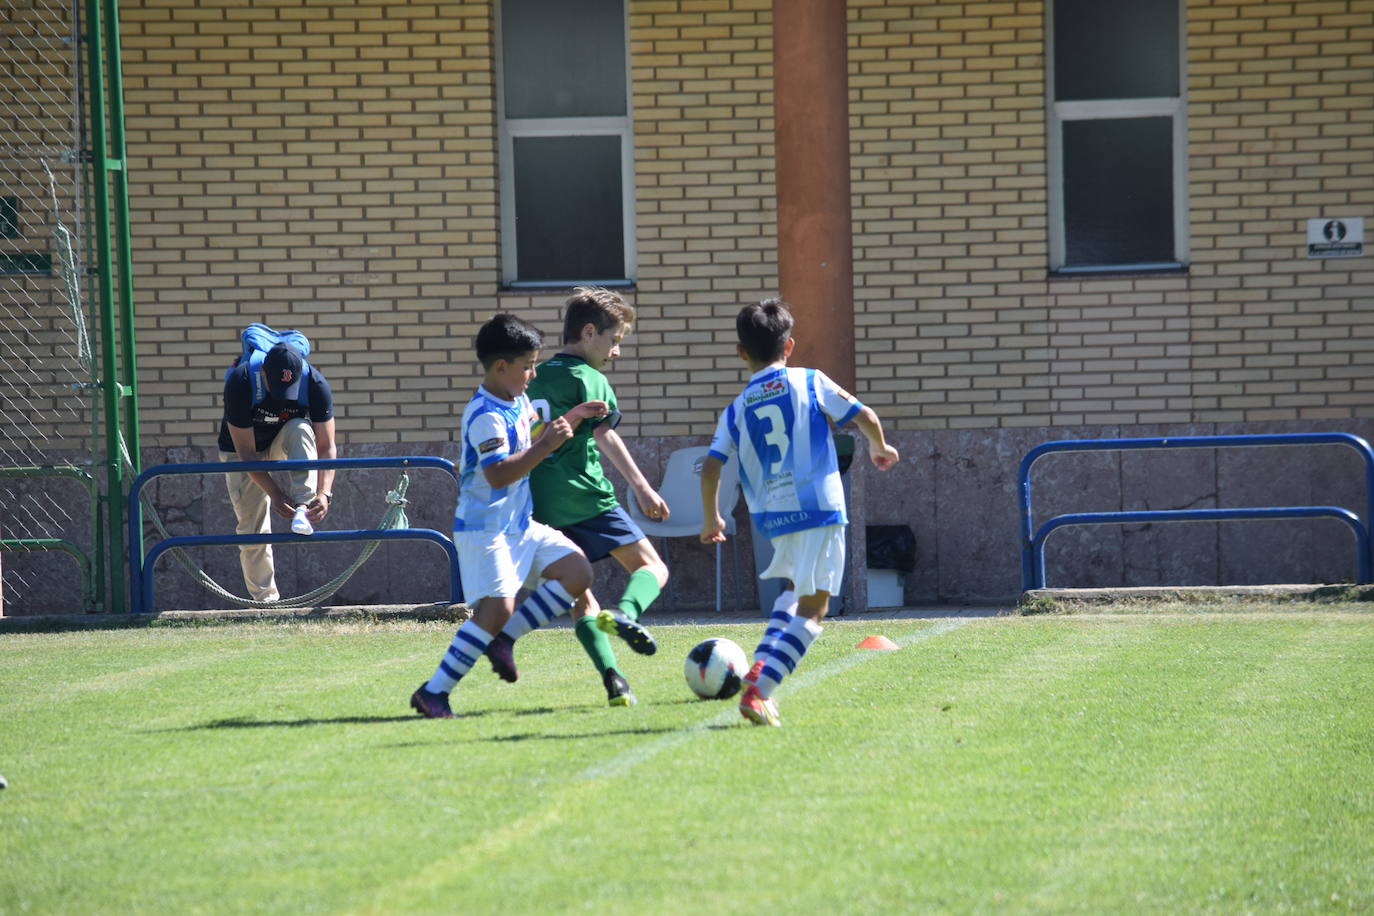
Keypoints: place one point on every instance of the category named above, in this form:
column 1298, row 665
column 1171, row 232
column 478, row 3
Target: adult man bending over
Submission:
column 293, row 420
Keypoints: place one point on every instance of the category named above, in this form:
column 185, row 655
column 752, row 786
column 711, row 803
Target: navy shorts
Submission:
column 601, row 534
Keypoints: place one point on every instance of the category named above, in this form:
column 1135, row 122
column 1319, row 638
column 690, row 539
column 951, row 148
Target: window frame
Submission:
column 508, row 129
column 1058, row 113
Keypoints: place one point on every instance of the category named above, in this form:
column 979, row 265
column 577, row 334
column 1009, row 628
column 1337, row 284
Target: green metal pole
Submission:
column 110, row 386
column 119, row 163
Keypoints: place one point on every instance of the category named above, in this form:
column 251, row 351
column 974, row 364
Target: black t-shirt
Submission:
column 267, row 417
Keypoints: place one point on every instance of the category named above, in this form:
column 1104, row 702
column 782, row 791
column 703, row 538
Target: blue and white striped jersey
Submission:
column 777, row 429
column 493, row 429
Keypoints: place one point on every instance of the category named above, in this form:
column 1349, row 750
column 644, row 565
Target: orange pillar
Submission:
column 811, row 134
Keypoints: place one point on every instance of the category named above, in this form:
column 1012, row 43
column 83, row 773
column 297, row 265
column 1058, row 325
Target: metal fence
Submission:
column 60, row 464
column 46, row 409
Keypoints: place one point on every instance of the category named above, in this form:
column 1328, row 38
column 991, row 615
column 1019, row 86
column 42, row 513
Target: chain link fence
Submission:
column 48, row 401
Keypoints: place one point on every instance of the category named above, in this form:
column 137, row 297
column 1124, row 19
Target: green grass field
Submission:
column 1191, row 762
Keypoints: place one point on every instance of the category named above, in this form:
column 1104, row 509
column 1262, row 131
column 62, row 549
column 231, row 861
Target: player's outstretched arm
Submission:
column 587, row 410
column 712, row 525
column 508, row 470
column 879, row 452
column 613, row 447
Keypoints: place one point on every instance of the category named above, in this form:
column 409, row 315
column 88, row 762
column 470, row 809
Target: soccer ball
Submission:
column 715, row 669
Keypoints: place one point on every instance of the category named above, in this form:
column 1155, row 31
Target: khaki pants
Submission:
column 253, row 509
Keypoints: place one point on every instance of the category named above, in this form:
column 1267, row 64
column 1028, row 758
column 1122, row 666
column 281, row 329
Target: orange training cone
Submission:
column 877, row 642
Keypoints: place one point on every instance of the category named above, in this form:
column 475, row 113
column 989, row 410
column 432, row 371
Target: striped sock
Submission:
column 468, row 645
column 787, row 654
column 784, row 609
column 544, row 604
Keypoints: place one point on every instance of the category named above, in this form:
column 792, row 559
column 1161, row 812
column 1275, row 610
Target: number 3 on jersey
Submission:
column 776, row 435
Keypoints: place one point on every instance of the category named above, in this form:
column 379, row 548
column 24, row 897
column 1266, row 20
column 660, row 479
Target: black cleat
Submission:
column 618, row 692
column 635, row 636
column 431, row 705
column 501, row 651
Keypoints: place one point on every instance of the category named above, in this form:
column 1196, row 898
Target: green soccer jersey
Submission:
column 569, row 486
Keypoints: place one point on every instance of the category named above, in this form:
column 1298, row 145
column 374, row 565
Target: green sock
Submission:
column 640, row 592
column 596, row 643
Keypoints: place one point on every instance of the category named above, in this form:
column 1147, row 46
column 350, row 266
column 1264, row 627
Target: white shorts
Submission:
column 496, row 565
column 813, row 559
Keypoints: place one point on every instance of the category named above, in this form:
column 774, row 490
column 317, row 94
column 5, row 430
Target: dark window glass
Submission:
column 563, row 58
column 9, row 217
column 1115, row 49
column 1118, row 192
column 568, row 219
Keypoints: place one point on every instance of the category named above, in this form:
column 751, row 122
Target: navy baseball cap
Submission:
column 284, row 367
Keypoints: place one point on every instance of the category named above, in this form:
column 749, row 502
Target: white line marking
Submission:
column 623, row 763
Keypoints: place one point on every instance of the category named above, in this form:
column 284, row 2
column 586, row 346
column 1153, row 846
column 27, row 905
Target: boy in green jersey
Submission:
column 571, row 492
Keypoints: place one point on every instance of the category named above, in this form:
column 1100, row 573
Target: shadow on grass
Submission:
column 585, row 708
column 610, row 732
column 565, row 736
column 243, row 722
column 236, row 722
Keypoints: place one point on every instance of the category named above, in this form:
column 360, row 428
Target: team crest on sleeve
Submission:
column 490, row 445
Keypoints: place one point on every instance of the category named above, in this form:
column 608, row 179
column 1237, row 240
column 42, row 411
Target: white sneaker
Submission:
column 300, row 524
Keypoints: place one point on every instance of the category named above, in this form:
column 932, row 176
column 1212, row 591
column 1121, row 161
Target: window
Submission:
column 567, row 203
column 9, row 217
column 1116, row 136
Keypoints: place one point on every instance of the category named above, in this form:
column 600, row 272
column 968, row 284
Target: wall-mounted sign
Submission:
column 1335, row 238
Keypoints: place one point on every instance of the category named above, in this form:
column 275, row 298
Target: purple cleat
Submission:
column 501, row 651
column 431, row 705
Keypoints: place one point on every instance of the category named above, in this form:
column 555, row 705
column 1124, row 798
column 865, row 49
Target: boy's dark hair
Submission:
column 763, row 329
column 596, row 306
column 506, row 337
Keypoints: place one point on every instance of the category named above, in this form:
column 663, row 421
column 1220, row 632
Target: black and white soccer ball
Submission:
column 715, row 669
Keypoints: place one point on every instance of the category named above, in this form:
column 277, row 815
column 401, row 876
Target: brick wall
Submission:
column 964, row 329
column 701, row 75
column 948, row 137
column 323, row 165
column 333, row 165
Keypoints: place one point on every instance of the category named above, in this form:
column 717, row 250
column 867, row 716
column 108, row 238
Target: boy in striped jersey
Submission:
column 498, row 543
column 779, row 431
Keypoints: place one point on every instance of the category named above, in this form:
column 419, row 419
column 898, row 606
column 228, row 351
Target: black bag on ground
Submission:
column 891, row 547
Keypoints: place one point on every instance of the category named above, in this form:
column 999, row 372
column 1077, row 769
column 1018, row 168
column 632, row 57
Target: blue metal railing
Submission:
column 1033, row 539
column 141, row 566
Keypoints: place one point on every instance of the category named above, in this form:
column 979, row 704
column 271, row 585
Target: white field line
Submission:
column 489, row 845
column 622, row 763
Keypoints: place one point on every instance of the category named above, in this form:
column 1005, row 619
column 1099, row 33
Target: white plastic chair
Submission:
column 681, row 490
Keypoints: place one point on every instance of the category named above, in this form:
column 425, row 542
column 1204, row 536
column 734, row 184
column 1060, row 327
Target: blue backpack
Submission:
column 257, row 340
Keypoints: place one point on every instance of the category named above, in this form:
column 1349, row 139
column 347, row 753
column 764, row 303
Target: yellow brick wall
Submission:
column 1281, row 129
column 960, row 326
column 326, row 165
column 947, row 115
column 333, row 165
column 701, row 76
